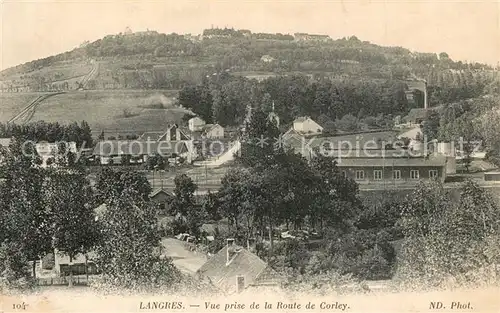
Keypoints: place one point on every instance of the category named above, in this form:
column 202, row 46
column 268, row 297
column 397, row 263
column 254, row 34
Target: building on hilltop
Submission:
column 310, row 37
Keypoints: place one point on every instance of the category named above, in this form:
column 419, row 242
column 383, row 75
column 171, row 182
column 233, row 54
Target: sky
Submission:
column 466, row 30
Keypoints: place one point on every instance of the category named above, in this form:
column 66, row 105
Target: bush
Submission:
column 365, row 254
column 14, row 269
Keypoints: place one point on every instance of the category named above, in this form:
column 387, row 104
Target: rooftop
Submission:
column 242, row 263
column 139, row 147
column 389, row 162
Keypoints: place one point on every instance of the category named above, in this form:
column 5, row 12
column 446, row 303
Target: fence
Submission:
column 60, row 281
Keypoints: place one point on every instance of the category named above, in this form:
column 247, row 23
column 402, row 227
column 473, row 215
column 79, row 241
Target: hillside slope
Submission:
column 150, row 60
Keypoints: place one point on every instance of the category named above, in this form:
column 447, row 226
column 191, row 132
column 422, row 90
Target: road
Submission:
column 185, row 260
column 29, row 110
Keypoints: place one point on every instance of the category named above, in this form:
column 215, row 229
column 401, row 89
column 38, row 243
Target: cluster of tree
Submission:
column 447, row 86
column 449, row 236
column 50, row 132
column 43, row 209
column 470, row 124
column 224, row 99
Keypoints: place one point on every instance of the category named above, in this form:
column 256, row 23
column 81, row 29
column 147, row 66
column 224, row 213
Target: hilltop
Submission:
column 150, row 60
column 94, row 76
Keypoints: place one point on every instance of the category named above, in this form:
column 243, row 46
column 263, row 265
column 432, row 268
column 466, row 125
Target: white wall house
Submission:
column 196, row 124
column 213, row 131
column 306, row 125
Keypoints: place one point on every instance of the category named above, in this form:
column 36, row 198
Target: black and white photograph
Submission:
column 249, row 156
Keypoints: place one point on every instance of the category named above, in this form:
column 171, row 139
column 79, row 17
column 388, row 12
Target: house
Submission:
column 112, row 151
column 306, row 125
column 393, row 170
column 5, row 142
column 80, row 265
column 196, row 124
column 212, row 131
column 311, row 37
column 368, row 141
column 413, row 133
column 173, row 133
column 234, row 268
column 162, row 198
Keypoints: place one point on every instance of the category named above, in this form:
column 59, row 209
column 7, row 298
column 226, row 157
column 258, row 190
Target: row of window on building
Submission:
column 396, row 174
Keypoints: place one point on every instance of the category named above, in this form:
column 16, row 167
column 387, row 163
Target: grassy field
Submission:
column 13, row 103
column 122, row 110
column 59, row 72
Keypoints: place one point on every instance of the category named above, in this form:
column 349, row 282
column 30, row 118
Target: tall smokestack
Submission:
column 425, row 95
column 230, row 249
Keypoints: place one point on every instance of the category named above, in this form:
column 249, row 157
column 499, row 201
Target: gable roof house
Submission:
column 306, row 125
column 162, row 198
column 212, row 131
column 234, row 268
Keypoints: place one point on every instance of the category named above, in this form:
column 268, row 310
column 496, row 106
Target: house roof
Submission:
column 436, row 161
column 301, row 119
column 138, row 147
column 368, row 141
column 242, row 263
column 5, row 142
column 154, row 136
column 157, row 191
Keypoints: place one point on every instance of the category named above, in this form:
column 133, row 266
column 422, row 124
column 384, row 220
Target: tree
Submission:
column 129, row 253
column 110, row 182
column 431, row 125
column 446, row 238
column 184, row 203
column 72, row 219
column 25, row 217
column 348, row 123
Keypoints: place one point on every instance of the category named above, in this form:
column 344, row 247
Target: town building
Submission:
column 306, row 125
column 82, row 264
column 112, row 151
column 311, row 37
column 210, row 131
column 373, row 158
column 196, row 124
column 393, row 170
column 235, row 268
column 162, row 198
column 5, row 142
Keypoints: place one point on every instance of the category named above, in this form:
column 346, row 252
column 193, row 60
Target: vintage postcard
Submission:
column 249, row 156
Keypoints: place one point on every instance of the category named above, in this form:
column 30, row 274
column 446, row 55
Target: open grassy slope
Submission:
column 108, row 110
column 13, row 103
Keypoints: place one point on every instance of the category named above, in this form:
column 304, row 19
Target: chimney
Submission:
column 230, row 249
